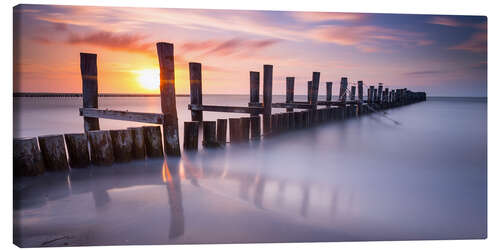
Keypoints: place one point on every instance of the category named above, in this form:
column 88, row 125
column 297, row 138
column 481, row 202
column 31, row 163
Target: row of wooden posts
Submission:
column 33, row 155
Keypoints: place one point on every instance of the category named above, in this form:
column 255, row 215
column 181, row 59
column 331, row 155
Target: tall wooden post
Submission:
column 329, row 91
column 168, row 104
column 370, row 94
column 343, row 89
column 195, row 90
column 315, row 88
column 268, row 97
column 88, row 68
column 379, row 92
column 289, row 91
column 360, row 91
column 254, row 90
column 353, row 93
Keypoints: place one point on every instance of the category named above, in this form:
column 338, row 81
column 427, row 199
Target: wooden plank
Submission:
column 152, row 140
column 275, row 124
column 222, row 131
column 122, row 144
column 227, row 109
column 138, row 148
column 329, row 91
column 101, row 148
column 168, row 104
column 292, row 105
column 88, row 68
column 268, row 98
column 122, row 115
column 28, row 159
column 54, row 152
column 195, row 90
column 343, row 89
column 78, row 150
column 191, row 136
column 209, row 134
column 245, row 128
column 255, row 127
column 234, row 130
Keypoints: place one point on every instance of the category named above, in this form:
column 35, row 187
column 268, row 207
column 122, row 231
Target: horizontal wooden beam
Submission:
column 227, row 109
column 293, row 105
column 122, row 115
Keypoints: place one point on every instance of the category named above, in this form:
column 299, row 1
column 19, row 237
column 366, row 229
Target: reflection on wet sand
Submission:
column 170, row 173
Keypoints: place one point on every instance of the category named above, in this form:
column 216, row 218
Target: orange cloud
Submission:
column 112, row 41
column 328, row 16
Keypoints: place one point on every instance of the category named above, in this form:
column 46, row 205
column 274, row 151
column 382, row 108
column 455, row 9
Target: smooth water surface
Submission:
column 359, row 179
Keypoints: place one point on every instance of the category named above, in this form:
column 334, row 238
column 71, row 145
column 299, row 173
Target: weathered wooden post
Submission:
column 315, row 88
column 209, row 134
column 152, row 139
column 196, row 90
column 353, row 93
column 291, row 121
column 28, row 159
column 234, row 130
column 88, row 68
column 329, row 92
column 138, row 146
column 221, row 131
column 101, row 147
column 371, row 98
column 343, row 89
column 380, row 89
column 245, row 128
column 53, row 152
column 255, row 127
column 289, row 91
column 78, row 150
column 254, row 90
column 191, row 136
column 122, row 144
column 360, row 91
column 168, row 103
column 297, row 117
column 275, row 123
column 375, row 97
column 268, row 97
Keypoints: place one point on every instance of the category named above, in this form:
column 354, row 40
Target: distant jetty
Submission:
column 42, row 94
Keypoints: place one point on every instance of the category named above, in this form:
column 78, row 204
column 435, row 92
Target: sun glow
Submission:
column 148, row 78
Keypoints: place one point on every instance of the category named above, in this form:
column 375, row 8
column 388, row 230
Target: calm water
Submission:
column 359, row 179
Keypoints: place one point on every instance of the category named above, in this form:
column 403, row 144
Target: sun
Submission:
column 148, row 78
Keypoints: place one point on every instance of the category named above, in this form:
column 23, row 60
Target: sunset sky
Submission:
column 442, row 55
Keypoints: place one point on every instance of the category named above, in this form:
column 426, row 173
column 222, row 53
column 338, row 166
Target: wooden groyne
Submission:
column 34, row 156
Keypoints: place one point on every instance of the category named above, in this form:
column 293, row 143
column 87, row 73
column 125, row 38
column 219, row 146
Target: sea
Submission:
column 417, row 172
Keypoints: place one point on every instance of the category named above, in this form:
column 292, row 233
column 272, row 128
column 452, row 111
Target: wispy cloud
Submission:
column 367, row 38
column 476, row 43
column 424, row 72
column 113, row 41
column 445, row 21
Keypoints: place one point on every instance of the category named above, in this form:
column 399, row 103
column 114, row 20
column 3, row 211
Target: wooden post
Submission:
column 268, row 97
column 195, row 90
column 88, row 68
column 283, row 122
column 28, row 159
column 353, row 93
column 209, row 134
column 222, row 132
column 138, row 146
column 343, row 89
column 289, row 91
column 168, row 103
column 360, row 91
column 297, row 117
column 101, row 148
column 379, row 92
column 245, row 128
column 315, row 88
column 78, row 150
column 329, row 91
column 254, row 90
column 122, row 144
column 309, row 91
column 191, row 136
column 305, row 119
column 152, row 139
column 375, row 94
column 371, row 94
column 255, row 127
column 234, row 130
column 53, row 152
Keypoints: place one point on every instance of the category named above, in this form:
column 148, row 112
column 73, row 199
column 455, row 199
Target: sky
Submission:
column 441, row 55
